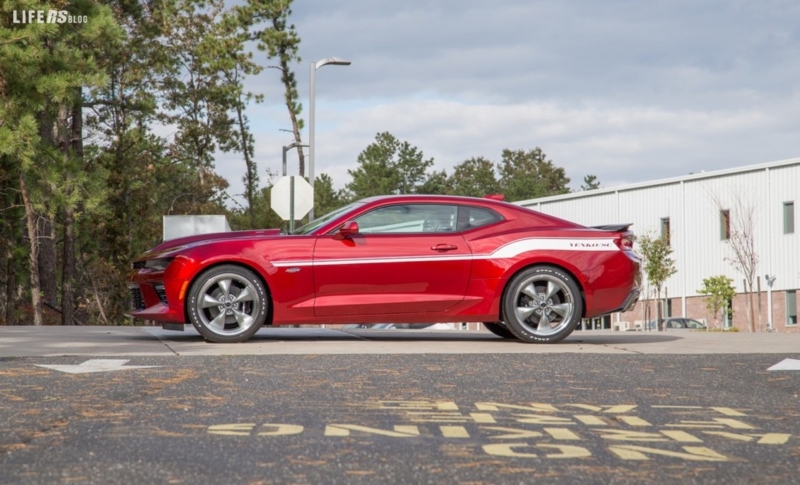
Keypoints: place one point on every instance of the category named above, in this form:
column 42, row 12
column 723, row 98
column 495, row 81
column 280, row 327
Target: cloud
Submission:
column 627, row 90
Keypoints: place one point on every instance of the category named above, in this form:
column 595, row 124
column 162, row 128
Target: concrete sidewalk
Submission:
column 28, row 341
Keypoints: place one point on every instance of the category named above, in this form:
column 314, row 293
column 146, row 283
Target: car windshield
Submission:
column 316, row 223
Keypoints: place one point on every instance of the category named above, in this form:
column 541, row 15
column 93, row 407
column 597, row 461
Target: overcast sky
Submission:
column 628, row 90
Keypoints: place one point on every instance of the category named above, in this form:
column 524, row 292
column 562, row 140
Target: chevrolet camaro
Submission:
column 393, row 259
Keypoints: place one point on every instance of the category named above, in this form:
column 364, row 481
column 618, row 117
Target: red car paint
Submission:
column 459, row 276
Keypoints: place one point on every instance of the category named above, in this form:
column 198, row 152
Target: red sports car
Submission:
column 394, row 259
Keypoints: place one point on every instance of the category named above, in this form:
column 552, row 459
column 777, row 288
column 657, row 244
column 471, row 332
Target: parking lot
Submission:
column 142, row 405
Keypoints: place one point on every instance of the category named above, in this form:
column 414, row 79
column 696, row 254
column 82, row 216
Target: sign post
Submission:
column 292, row 198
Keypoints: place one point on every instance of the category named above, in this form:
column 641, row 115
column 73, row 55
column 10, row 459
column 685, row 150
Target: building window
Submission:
column 727, row 318
column 725, row 224
column 665, row 232
column 788, row 217
column 791, row 307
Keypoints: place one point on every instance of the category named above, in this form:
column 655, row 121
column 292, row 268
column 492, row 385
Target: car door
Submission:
column 406, row 258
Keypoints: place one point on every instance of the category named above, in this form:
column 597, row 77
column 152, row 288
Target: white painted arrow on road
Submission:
column 786, row 364
column 97, row 365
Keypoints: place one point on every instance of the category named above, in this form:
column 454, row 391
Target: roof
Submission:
column 668, row 181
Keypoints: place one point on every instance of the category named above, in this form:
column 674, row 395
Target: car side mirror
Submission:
column 348, row 229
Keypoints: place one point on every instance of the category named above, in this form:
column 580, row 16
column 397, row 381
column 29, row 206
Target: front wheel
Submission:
column 227, row 304
column 542, row 304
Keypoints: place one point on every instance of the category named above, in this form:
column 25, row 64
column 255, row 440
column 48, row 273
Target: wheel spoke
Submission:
column 552, row 289
column 245, row 295
column 524, row 312
column 530, row 290
column 243, row 318
column 209, row 301
column 563, row 309
column 543, row 322
column 225, row 286
column 219, row 321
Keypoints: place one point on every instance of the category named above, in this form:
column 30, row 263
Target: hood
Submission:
column 184, row 241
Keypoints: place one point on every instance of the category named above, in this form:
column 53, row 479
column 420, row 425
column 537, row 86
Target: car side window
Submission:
column 472, row 217
column 409, row 219
column 693, row 324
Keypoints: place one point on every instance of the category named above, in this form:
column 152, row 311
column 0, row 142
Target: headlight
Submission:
column 158, row 264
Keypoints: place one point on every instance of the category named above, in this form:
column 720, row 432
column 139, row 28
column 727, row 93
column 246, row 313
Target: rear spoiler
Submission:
column 614, row 227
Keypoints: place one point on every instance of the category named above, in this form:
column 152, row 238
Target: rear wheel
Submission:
column 227, row 304
column 499, row 329
column 542, row 304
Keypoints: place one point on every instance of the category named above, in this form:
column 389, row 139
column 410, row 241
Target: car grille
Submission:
column 137, row 301
column 138, row 264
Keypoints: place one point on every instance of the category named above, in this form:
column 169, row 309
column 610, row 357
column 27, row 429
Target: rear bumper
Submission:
column 629, row 302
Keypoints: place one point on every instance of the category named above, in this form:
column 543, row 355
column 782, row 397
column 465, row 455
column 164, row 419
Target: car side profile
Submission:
column 393, row 259
column 677, row 323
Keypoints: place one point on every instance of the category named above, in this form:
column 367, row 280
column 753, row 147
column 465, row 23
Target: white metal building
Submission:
column 696, row 211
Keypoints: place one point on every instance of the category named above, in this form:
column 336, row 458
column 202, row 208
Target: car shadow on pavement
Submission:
column 332, row 334
column 622, row 338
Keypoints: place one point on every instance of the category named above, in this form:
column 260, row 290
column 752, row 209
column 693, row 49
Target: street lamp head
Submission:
column 336, row 61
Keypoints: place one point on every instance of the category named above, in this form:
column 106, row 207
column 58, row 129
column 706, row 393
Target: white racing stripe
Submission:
column 507, row 251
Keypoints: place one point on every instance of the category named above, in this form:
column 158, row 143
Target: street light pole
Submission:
column 286, row 149
column 312, row 92
column 770, row 281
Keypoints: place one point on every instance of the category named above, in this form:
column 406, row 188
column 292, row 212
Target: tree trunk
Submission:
column 36, row 289
column 11, row 285
column 44, row 224
column 251, row 176
column 68, row 270
column 659, row 323
column 48, row 259
column 300, row 156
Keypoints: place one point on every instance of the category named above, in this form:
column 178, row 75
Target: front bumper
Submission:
column 159, row 295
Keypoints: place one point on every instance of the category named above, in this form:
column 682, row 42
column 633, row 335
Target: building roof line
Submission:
column 667, row 181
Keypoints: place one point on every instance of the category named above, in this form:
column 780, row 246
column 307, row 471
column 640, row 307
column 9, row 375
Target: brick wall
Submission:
column 696, row 308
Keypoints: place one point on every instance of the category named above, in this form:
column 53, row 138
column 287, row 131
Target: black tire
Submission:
column 499, row 329
column 542, row 304
column 227, row 304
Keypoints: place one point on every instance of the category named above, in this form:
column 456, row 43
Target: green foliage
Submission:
column 528, row 175
column 265, row 218
column 388, row 166
column 435, row 183
column 658, row 262
column 590, row 182
column 474, row 178
column 326, row 199
column 279, row 39
column 205, row 45
column 720, row 291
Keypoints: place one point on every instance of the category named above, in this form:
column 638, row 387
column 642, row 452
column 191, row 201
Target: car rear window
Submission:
column 472, row 217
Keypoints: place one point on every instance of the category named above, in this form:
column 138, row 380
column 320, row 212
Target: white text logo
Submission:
column 47, row 17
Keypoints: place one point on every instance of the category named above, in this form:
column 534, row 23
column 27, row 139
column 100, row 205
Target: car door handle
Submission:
column 444, row 247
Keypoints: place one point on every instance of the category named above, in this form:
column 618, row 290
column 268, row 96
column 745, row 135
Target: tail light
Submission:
column 624, row 241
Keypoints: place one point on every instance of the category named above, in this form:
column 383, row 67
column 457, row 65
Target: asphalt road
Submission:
column 133, row 405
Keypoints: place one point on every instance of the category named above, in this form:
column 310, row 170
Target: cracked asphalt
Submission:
column 327, row 406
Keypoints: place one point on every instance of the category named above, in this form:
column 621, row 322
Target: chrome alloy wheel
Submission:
column 228, row 304
column 544, row 305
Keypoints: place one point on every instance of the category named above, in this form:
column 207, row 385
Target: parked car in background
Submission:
column 420, row 259
column 677, row 323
